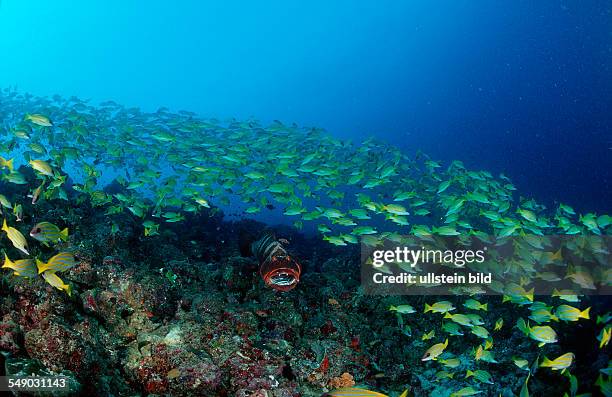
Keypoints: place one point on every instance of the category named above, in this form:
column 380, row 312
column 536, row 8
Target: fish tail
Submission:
column 468, row 373
column 7, row 261
column 445, row 343
column 585, row 313
column 404, row 394
column 64, row 234
column 42, row 266
column 68, row 289
column 545, row 362
column 9, row 164
column 529, row 294
column 523, row 326
column 447, row 315
column 485, row 307
column 4, row 225
column 427, row 307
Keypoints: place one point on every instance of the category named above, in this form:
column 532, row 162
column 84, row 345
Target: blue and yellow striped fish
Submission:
column 58, row 263
column 21, row 267
column 48, row 232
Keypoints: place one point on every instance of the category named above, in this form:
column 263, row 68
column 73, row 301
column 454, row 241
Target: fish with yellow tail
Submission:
column 570, row 313
column 542, row 334
column 39, row 120
column 53, row 280
column 47, row 232
column 433, row 352
column 357, row 392
column 4, row 163
column 16, row 238
column 561, row 363
column 42, row 167
column 57, row 263
column 21, row 267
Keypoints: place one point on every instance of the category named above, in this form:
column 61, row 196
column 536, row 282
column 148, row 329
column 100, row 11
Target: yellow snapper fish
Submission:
column 433, row 352
column 439, row 307
column 57, row 263
column 466, row 391
column 48, row 232
column 21, row 267
column 570, row 313
column 53, row 280
column 543, row 334
column 604, row 336
column 42, row 166
column 16, row 238
column 357, row 392
column 4, row 163
column 560, row 363
column 39, row 119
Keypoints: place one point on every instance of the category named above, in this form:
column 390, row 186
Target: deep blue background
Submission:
column 520, row 87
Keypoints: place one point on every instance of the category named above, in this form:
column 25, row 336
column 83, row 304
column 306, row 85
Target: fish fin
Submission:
column 42, row 266
column 585, row 313
column 404, row 394
column 524, row 327
column 7, row 261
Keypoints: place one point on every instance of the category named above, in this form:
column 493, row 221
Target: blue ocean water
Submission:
column 518, row 87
